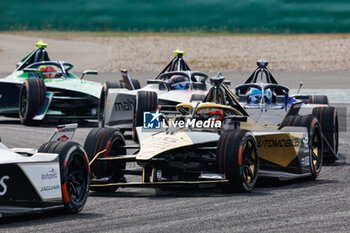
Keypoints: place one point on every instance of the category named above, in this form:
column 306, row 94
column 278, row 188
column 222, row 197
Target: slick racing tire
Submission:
column 146, row 101
column 315, row 141
column 31, row 97
column 328, row 119
column 103, row 101
column 135, row 83
column 197, row 97
column 110, row 140
column 75, row 173
column 237, row 157
column 314, row 99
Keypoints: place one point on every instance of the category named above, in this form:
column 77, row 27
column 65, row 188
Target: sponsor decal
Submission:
column 305, row 161
column 295, row 142
column 306, row 141
column 45, row 178
column 3, row 185
column 52, row 174
column 66, row 129
column 124, row 105
column 49, row 188
column 63, row 138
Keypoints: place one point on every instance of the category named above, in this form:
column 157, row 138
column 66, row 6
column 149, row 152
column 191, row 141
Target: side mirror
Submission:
column 89, row 72
column 227, row 82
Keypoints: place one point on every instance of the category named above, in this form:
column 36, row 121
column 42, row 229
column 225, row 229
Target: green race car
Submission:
column 43, row 89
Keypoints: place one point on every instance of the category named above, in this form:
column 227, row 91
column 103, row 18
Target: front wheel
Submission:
column 75, row 173
column 237, row 157
column 31, row 97
column 112, row 141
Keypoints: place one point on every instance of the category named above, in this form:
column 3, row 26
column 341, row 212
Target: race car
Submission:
column 55, row 176
column 212, row 142
column 176, row 83
column 43, row 89
column 261, row 92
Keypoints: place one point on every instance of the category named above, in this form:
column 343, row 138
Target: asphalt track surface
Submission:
column 298, row 206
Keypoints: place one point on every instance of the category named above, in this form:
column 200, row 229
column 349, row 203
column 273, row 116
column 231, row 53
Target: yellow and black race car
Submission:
column 214, row 141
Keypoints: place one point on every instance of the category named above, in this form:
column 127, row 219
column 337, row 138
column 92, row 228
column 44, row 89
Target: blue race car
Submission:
column 267, row 100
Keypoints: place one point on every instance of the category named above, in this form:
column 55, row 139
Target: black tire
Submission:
column 315, row 140
column 315, row 99
column 197, row 97
column 328, row 119
column 135, row 83
column 103, row 101
column 110, row 139
column 237, row 157
column 75, row 173
column 44, row 148
column 31, row 97
column 146, row 101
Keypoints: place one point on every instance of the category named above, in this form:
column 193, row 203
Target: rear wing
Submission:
column 64, row 133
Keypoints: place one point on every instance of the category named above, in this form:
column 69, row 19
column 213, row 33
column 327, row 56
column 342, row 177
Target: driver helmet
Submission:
column 254, row 95
column 48, row 71
column 179, row 82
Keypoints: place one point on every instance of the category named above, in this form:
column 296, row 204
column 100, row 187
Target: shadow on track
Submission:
column 49, row 216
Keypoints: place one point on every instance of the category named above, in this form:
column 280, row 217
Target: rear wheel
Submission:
column 75, row 173
column 103, row 101
column 328, row 119
column 110, row 140
column 315, row 142
column 314, row 99
column 237, row 157
column 146, row 101
column 31, row 97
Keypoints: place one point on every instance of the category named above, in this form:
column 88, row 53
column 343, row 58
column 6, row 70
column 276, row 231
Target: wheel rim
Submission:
column 23, row 102
column 249, row 166
column 77, row 178
column 315, row 150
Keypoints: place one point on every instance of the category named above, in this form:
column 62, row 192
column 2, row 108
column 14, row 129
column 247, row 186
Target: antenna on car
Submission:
column 300, row 85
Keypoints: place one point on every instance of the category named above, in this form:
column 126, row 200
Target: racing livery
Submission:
column 176, row 83
column 55, row 176
column 233, row 151
column 261, row 92
column 42, row 89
